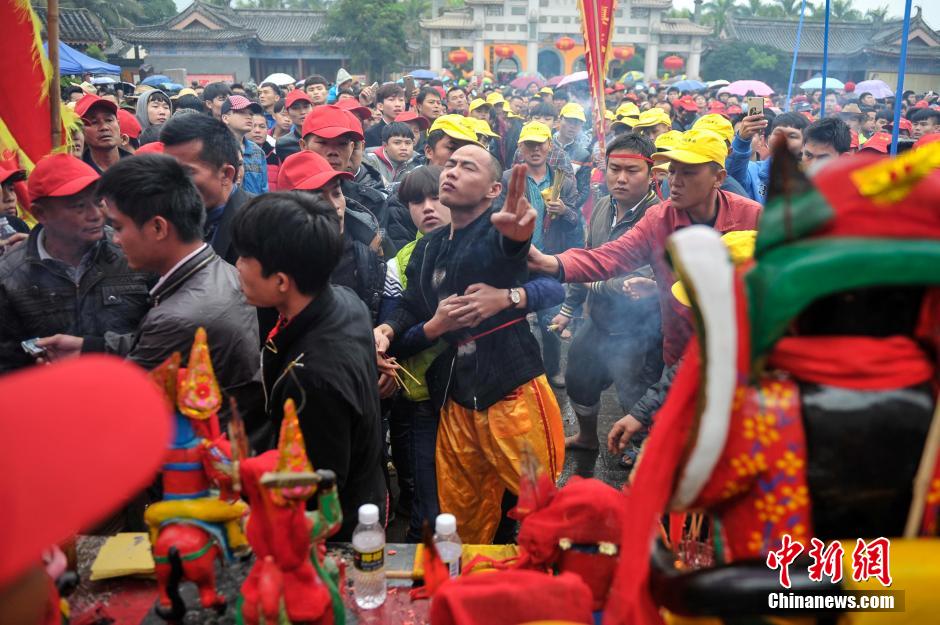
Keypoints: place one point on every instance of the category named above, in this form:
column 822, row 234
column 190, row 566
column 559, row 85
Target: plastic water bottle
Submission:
column 448, row 544
column 6, row 230
column 369, row 558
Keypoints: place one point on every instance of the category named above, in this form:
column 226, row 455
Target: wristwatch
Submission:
column 515, row 297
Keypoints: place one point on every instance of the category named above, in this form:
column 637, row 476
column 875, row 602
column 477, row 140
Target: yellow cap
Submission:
column 628, row 109
column 697, row 147
column 652, row 117
column 184, row 91
column 477, row 103
column 456, row 127
column 480, row 126
column 546, row 91
column 573, row 110
column 668, row 140
column 609, row 115
column 535, row 131
column 740, row 244
column 495, row 98
column 715, row 123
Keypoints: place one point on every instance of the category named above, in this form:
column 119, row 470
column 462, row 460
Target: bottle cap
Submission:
column 368, row 514
column 445, row 524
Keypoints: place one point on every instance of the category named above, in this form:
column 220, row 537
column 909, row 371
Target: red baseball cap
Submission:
column 849, row 87
column 297, row 95
column 906, row 124
column 687, row 103
column 878, row 142
column 734, row 109
column 154, row 147
column 411, row 116
column 352, row 105
column 306, row 170
column 716, row 106
column 88, row 101
column 129, row 124
column 60, row 175
column 84, row 449
column 10, row 171
column 329, row 121
column 236, row 102
column 854, row 144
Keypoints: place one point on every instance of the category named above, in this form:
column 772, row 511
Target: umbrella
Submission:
column 157, row 80
column 816, row 83
column 71, row 61
column 632, row 76
column 711, row 84
column 554, row 80
column 523, row 82
column 103, row 80
column 741, row 87
column 689, row 85
column 572, row 78
column 278, row 79
column 423, row 74
column 877, row 88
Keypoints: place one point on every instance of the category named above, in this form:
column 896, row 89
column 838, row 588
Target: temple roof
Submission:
column 681, row 26
column 450, row 20
column 76, row 27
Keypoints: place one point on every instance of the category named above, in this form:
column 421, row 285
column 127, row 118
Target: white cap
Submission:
column 368, row 513
column 445, row 524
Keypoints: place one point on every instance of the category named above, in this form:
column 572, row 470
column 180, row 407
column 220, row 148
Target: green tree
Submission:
column 156, row 11
column 371, row 33
column 95, row 52
column 790, row 8
column 753, row 8
column 739, row 60
column 717, row 12
column 877, row 15
column 843, row 11
column 686, row 13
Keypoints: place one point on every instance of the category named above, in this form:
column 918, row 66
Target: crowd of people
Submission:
column 407, row 264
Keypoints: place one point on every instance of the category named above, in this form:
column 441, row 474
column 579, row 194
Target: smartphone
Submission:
column 755, row 106
column 375, row 85
column 29, row 346
column 409, row 91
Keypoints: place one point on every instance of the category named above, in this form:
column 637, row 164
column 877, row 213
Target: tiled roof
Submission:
column 681, row 26
column 76, row 26
column 651, row 4
column 451, row 21
column 484, row 1
column 192, row 34
column 284, row 26
column 844, row 37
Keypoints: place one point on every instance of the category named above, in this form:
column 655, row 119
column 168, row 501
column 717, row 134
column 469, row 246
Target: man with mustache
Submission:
column 102, row 132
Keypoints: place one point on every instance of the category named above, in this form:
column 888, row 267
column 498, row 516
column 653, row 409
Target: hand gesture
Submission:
column 516, row 221
column 621, row 433
column 751, row 125
column 60, row 347
column 367, row 95
column 559, row 323
column 556, row 208
column 478, row 303
column 639, row 288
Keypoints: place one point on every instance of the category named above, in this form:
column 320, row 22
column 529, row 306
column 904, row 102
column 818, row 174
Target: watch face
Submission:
column 514, row 296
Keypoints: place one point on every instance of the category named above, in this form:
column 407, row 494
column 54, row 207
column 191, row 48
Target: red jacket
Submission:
column 645, row 244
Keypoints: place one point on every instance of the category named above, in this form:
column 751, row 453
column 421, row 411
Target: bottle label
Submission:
column 454, row 568
column 369, row 561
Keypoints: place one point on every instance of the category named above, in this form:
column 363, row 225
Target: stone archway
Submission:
column 550, row 63
column 579, row 65
column 508, row 66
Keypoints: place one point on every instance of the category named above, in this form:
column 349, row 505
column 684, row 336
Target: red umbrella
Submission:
column 523, row 82
column 554, row 80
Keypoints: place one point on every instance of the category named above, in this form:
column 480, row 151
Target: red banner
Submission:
column 597, row 23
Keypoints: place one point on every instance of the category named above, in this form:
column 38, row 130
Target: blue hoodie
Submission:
column 753, row 175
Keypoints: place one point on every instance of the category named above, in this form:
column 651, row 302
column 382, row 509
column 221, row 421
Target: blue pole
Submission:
column 796, row 52
column 900, row 87
column 825, row 67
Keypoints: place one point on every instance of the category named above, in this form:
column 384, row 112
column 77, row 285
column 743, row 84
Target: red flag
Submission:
column 597, row 23
column 25, row 76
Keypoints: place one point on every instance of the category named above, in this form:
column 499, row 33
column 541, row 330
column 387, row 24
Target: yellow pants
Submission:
column 479, row 454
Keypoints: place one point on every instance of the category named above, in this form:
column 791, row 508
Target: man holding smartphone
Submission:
column 754, row 175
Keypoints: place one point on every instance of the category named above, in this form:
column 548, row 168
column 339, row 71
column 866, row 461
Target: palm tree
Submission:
column 789, row 8
column 877, row 15
column 843, row 11
column 113, row 13
column 718, row 11
column 753, row 8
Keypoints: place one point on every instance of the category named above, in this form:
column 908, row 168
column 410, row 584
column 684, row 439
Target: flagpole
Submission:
column 52, row 32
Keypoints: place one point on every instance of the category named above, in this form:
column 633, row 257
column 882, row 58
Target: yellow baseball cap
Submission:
column 184, row 91
column 456, row 127
column 547, row 91
column 740, row 244
column 653, row 117
column 609, row 115
column 477, row 103
column 480, row 126
column 715, row 123
column 495, row 98
column 697, row 147
column 535, row 131
column 573, row 110
column 668, row 140
column 628, row 109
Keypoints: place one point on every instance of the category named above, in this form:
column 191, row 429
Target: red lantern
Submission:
column 458, row 57
column 565, row 43
column 673, row 63
column 624, row 53
column 503, row 52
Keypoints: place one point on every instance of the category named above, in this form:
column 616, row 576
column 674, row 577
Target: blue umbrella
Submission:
column 423, row 74
column 816, row 83
column 689, row 85
column 156, row 80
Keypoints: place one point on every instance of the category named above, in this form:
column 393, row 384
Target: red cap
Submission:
column 352, row 105
column 907, row 125
column 236, row 102
column 329, row 121
column 297, row 95
column 88, row 101
column 154, row 147
column 927, row 138
column 686, row 103
column 734, row 109
column 608, row 90
column 60, row 175
column 619, row 86
column 921, row 104
column 9, row 169
column 59, row 453
column 849, row 87
column 411, row 116
column 129, row 124
column 716, row 106
column 306, row 170
column 854, row 144
column 878, row 142
column 632, row 97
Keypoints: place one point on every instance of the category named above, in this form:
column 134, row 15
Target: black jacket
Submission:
column 324, row 360
column 490, row 367
column 374, row 135
column 38, row 299
column 287, row 145
column 400, row 229
column 222, row 239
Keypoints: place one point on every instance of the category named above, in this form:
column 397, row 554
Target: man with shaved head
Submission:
column 490, row 381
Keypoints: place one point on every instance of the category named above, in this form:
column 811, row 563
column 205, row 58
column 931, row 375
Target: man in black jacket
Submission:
column 321, row 352
column 209, row 153
column 68, row 277
column 390, row 100
column 490, row 381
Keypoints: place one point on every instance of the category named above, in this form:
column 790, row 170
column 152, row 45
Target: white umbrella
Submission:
column 103, row 80
column 816, row 83
column 570, row 78
column 711, row 84
column 279, row 79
